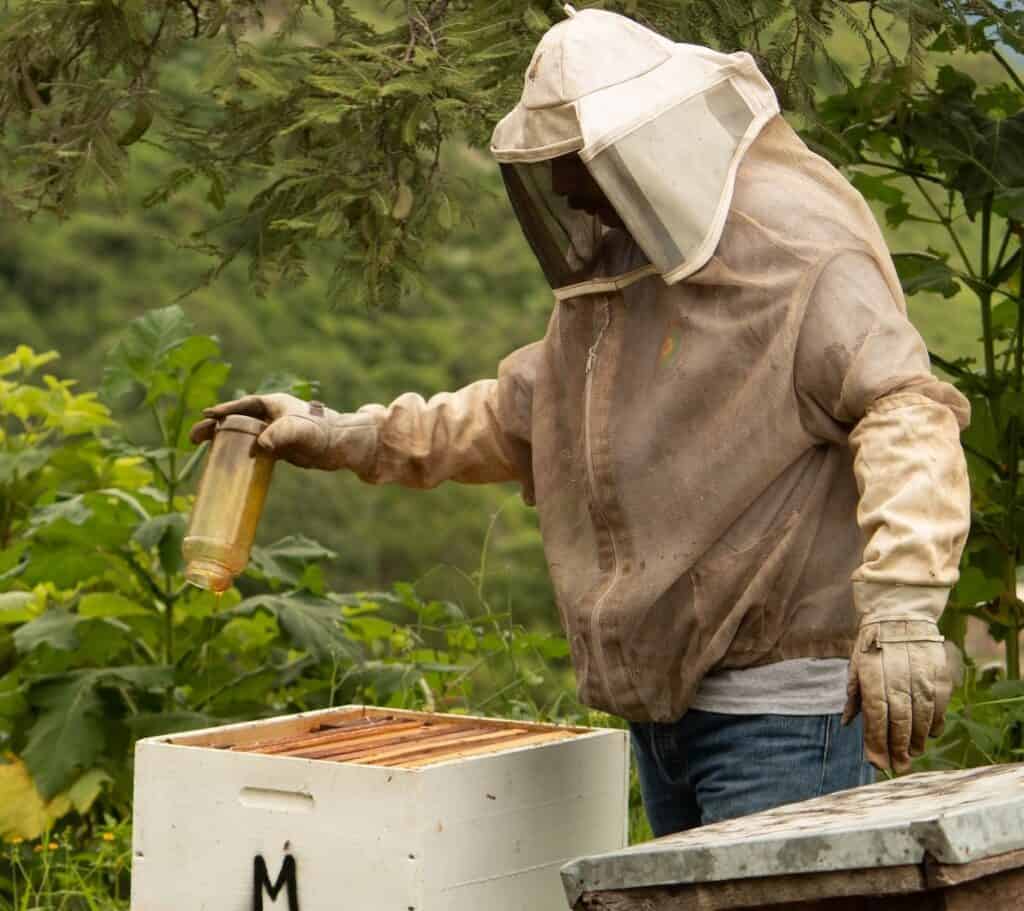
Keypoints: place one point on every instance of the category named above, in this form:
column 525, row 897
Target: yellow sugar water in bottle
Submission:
column 228, row 505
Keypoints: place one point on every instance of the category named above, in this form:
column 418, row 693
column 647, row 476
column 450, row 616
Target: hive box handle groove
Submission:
column 275, row 799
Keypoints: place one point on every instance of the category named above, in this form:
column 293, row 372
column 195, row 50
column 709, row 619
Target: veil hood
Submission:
column 661, row 126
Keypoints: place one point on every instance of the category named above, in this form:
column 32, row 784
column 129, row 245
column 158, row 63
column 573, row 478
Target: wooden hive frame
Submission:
column 383, row 737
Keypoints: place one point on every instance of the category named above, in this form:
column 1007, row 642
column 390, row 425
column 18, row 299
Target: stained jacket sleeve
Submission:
column 476, row 435
column 863, row 379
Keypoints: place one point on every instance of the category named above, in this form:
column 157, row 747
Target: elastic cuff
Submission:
column 353, row 444
column 896, row 400
column 876, row 633
column 878, row 601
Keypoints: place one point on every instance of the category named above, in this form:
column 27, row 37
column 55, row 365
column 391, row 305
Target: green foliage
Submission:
column 983, row 723
column 938, row 147
column 32, row 458
column 327, row 118
column 77, row 285
column 104, row 642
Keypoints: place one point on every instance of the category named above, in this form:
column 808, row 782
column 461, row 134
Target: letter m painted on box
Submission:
column 261, row 882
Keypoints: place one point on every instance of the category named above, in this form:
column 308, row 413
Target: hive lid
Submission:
column 955, row 817
column 380, row 737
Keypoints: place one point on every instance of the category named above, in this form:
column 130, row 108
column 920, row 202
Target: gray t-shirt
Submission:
column 800, row 686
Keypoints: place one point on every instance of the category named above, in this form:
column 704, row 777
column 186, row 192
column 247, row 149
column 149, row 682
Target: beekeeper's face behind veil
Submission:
column 660, row 128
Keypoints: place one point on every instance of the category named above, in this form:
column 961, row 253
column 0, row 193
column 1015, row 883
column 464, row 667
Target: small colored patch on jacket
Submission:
column 670, row 346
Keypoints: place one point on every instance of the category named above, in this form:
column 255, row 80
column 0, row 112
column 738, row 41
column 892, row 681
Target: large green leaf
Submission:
column 1007, row 689
column 922, row 272
column 55, row 628
column 284, row 560
column 165, row 533
column 16, row 607
column 64, row 565
column 204, row 383
column 17, row 465
column 975, row 587
column 72, row 511
column 285, row 381
column 147, row 677
column 880, row 188
column 996, row 166
column 152, row 724
column 69, row 734
column 312, row 624
column 136, row 357
column 108, row 604
column 13, row 560
column 978, row 155
column 1007, row 271
column 1010, row 203
column 300, row 548
column 92, row 520
column 70, row 731
column 192, row 352
column 982, row 435
column 12, row 696
column 87, row 789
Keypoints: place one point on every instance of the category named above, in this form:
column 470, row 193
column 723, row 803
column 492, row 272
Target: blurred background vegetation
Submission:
column 415, row 278
column 72, row 284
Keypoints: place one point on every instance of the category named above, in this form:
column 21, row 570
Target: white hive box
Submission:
column 362, row 809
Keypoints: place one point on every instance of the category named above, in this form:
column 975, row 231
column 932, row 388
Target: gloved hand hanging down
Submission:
column 899, row 676
column 913, row 508
column 306, row 434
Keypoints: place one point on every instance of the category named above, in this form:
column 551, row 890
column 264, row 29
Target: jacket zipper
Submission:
column 599, row 513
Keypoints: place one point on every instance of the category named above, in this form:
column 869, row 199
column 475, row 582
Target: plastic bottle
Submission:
column 228, row 505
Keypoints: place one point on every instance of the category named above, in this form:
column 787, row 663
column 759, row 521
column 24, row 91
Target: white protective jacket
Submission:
column 730, row 416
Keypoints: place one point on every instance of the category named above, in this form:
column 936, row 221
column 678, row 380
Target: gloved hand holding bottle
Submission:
column 413, row 441
column 307, row 434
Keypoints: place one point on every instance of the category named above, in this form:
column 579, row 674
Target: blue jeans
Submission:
column 709, row 766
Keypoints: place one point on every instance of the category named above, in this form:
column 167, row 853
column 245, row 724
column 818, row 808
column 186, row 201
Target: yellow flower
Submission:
column 37, row 848
column 53, row 846
column 17, row 840
column 108, row 836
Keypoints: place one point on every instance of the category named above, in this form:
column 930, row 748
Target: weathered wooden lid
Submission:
column 955, row 817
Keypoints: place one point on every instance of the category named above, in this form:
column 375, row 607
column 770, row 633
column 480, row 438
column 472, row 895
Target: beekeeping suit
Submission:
column 729, row 417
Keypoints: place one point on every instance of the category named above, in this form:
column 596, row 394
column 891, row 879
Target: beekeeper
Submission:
column 750, row 487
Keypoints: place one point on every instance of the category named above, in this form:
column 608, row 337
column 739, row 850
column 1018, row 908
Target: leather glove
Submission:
column 307, row 434
column 899, row 676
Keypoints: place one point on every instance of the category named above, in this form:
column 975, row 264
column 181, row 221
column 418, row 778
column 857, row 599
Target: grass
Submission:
column 73, row 870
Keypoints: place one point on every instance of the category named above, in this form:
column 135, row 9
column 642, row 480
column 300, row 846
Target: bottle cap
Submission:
column 242, row 424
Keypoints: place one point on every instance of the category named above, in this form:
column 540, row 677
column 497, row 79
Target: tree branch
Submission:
column 947, row 224
column 872, row 6
column 923, row 175
column 992, row 463
column 1009, row 69
column 951, row 368
column 1003, row 246
column 195, row 16
column 30, row 88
